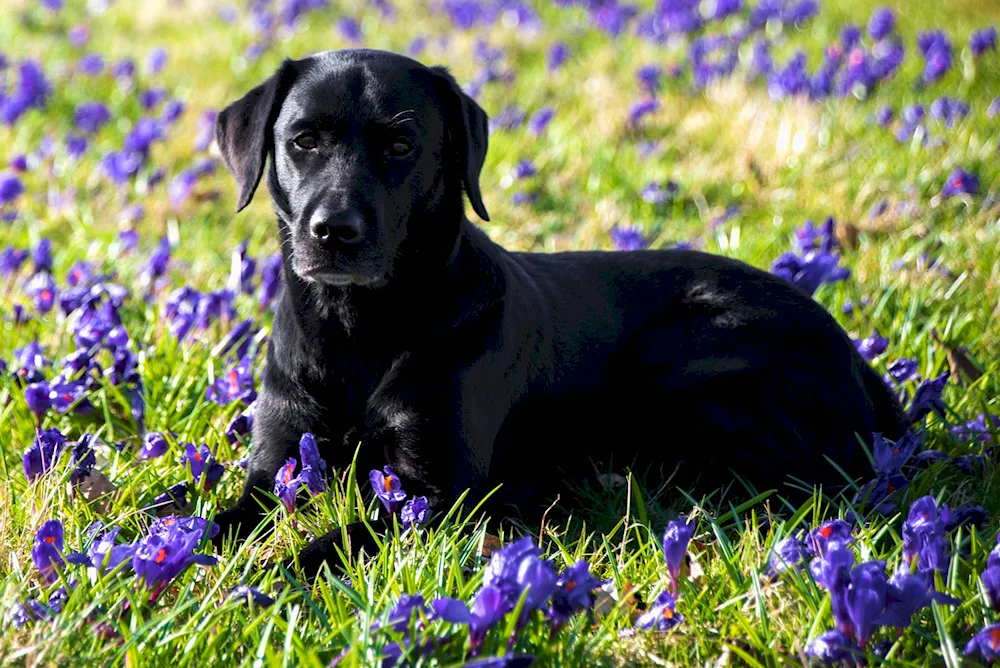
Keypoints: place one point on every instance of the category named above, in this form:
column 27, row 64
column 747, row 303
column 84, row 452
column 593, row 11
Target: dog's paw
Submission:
column 234, row 524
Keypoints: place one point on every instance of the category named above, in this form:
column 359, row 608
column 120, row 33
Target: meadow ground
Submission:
column 728, row 142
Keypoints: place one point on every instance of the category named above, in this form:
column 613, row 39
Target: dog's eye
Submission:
column 305, row 142
column 400, row 149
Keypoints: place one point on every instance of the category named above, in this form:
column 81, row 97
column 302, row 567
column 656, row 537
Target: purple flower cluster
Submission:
column 662, row 614
column 816, row 262
column 517, row 575
column 388, row 489
column 863, row 598
column 157, row 558
column 312, row 473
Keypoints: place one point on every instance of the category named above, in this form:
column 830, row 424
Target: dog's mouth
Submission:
column 327, row 276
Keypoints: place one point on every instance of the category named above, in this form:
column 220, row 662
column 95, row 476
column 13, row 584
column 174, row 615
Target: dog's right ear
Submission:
column 243, row 131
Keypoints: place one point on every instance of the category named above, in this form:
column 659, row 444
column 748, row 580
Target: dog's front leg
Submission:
column 278, row 427
column 434, row 446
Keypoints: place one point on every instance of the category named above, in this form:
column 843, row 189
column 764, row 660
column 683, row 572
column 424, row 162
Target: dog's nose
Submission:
column 342, row 227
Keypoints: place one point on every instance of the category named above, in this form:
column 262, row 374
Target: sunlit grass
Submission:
column 730, row 145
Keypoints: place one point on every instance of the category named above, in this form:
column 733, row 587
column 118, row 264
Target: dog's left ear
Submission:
column 468, row 132
column 243, row 131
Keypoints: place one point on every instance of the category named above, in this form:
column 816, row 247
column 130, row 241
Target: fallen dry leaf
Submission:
column 490, row 545
column 97, row 487
column 960, row 361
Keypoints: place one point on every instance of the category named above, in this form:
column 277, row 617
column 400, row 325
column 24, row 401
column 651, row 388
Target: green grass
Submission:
column 780, row 162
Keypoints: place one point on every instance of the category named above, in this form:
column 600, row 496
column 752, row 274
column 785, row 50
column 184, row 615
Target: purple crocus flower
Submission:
column 350, row 28
column 640, row 109
column 388, row 488
column 162, row 556
column 612, row 17
column 903, row 369
column 252, row 594
column 313, row 465
column 153, row 446
column 175, row 495
column 540, row 120
column 949, row 110
column 205, row 133
column 654, row 193
column 990, row 578
column 286, row 484
column 172, row 110
column 10, row 189
column 538, row 576
column 508, row 118
column 628, row 238
column 907, row 594
column 83, row 458
column 675, row 544
column 960, row 182
column 978, row 428
column 712, row 57
column 810, row 270
column 927, row 398
column 969, row 514
column 80, row 273
column 884, row 115
column 831, row 535
column 872, row 346
column 90, row 117
column 151, row 98
column 936, row 49
column 558, row 54
column 270, row 279
column 414, row 512
column 47, row 551
column 241, row 425
column 235, row 385
column 985, row 644
column 981, row 41
column 834, row 648
column 155, row 60
column 106, row 554
column 11, row 258
column 889, row 456
column 123, row 70
column 181, row 187
column 881, row 23
column 243, row 268
column 42, row 289
column 41, row 257
column 662, row 614
column 43, row 453
column 36, row 395
column 572, row 593
column 788, row 553
column 487, row 608
column 402, row 612
column 202, row 464
column 649, row 78
column 924, row 536
column 78, row 35
column 90, row 64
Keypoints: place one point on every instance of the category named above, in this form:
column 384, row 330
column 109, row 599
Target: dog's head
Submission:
column 370, row 152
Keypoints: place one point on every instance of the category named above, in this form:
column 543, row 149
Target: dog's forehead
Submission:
column 361, row 82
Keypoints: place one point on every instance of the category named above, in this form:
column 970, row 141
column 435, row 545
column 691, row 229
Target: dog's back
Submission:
column 669, row 356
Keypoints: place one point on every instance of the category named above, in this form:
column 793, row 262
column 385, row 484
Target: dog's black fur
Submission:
column 402, row 326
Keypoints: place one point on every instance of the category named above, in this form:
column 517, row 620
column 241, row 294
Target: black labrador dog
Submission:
column 462, row 365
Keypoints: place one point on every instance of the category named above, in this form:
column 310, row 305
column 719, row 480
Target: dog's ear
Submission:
column 468, row 132
column 243, row 131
